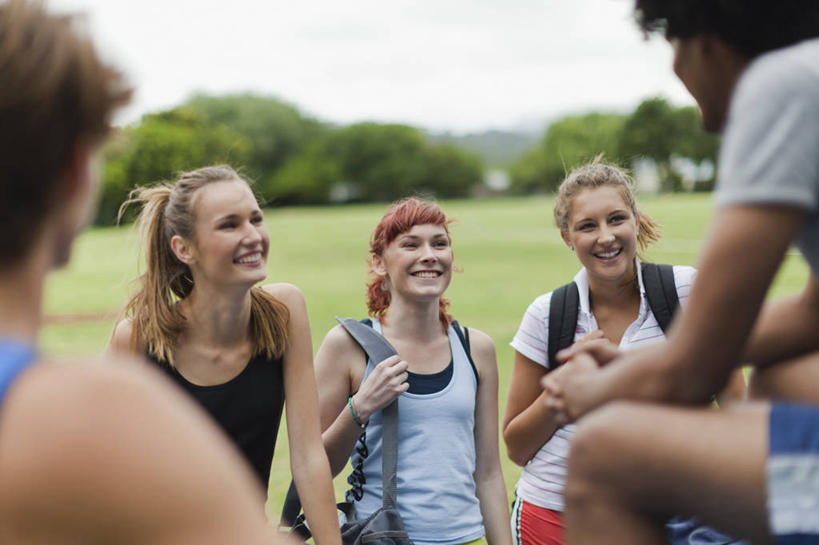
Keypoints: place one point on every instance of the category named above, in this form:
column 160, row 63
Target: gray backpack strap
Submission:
column 378, row 349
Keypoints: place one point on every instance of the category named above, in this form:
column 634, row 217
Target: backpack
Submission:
column 661, row 292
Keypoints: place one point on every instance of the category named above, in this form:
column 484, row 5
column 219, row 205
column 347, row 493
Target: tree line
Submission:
column 655, row 130
column 296, row 159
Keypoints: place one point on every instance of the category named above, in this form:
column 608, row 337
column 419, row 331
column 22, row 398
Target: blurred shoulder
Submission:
column 67, row 414
column 108, row 439
column 120, row 341
column 287, row 293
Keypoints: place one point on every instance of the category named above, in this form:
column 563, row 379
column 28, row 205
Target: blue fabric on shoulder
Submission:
column 15, row 356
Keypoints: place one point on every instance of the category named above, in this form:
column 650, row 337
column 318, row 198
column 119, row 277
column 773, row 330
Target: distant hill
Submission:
column 497, row 148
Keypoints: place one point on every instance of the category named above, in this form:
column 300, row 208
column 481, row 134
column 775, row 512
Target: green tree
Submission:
column 306, row 178
column 692, row 140
column 276, row 130
column 381, row 161
column 451, row 171
column 161, row 146
column 651, row 131
column 567, row 143
column 661, row 132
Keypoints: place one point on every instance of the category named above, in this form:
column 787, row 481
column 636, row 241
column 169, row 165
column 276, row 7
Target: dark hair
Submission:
column 402, row 216
column 55, row 92
column 752, row 27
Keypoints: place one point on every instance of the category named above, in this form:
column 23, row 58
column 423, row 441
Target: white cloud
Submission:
column 442, row 64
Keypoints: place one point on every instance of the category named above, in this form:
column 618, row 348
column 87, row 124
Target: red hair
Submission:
column 402, row 216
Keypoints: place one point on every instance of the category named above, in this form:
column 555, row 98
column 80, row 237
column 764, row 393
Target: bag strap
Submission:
column 291, row 507
column 463, row 336
column 661, row 292
column 562, row 320
column 378, row 349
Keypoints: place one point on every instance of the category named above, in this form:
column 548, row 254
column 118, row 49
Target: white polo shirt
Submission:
column 543, row 479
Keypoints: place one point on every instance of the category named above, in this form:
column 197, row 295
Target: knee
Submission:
column 594, row 456
column 759, row 384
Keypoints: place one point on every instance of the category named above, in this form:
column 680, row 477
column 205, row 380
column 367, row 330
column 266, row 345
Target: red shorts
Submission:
column 533, row 525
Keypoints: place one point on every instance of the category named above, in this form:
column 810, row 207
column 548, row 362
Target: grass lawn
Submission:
column 508, row 250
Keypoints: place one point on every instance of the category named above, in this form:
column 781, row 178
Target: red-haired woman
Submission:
column 450, row 486
column 236, row 348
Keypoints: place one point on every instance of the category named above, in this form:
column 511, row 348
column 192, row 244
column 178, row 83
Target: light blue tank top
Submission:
column 14, row 358
column 436, row 458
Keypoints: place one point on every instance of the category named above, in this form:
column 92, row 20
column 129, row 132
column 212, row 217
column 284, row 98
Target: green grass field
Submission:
column 508, row 251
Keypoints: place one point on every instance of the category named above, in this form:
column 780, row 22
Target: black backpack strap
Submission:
column 378, row 349
column 562, row 320
column 463, row 336
column 661, row 292
column 291, row 507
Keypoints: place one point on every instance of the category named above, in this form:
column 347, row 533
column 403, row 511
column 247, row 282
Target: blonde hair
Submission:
column 598, row 174
column 168, row 210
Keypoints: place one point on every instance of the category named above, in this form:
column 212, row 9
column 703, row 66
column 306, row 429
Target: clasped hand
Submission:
column 571, row 387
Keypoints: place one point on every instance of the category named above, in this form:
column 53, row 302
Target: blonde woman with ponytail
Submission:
column 237, row 348
column 597, row 215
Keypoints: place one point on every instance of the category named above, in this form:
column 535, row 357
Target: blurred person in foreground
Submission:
column 753, row 471
column 88, row 453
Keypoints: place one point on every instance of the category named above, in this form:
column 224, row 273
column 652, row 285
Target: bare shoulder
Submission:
column 339, row 345
column 102, row 437
column 120, row 341
column 81, row 403
column 481, row 344
column 287, row 293
column 483, row 352
column 57, row 416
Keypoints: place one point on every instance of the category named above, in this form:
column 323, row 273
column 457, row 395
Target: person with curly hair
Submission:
column 750, row 471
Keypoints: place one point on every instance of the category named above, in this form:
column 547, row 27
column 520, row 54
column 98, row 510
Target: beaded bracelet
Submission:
column 352, row 412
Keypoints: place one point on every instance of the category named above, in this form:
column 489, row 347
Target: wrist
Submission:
column 360, row 419
column 362, row 408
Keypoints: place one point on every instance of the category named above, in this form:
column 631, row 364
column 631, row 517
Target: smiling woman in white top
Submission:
column 598, row 219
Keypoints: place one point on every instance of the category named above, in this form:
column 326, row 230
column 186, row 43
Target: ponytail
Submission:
column 167, row 210
column 648, row 231
column 157, row 320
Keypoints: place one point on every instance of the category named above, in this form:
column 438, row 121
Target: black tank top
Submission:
column 248, row 408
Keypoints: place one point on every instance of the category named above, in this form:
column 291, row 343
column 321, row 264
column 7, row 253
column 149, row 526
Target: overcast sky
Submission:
column 459, row 65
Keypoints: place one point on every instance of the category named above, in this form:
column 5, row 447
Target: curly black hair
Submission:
column 752, row 27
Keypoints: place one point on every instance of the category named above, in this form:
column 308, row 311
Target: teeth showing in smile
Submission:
column 249, row 259
column 609, row 255
column 427, row 274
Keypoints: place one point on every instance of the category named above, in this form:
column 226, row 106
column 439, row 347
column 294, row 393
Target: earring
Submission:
column 385, row 283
